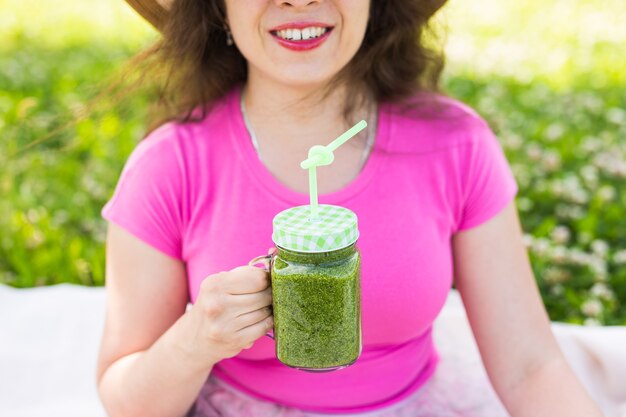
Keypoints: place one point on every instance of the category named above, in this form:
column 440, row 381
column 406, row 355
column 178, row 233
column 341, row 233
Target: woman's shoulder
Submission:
column 180, row 137
column 429, row 122
column 157, row 145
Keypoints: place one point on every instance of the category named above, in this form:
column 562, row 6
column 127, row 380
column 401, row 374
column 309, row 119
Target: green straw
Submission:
column 347, row 135
column 323, row 155
column 313, row 190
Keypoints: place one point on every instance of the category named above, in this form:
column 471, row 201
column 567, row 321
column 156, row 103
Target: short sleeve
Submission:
column 488, row 184
column 146, row 200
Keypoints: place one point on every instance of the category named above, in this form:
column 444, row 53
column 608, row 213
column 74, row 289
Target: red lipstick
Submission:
column 301, row 45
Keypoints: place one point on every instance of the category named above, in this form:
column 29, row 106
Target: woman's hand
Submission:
column 232, row 311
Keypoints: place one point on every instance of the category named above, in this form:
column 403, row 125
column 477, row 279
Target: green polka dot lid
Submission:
column 334, row 228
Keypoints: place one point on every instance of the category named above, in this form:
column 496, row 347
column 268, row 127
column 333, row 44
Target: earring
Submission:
column 229, row 36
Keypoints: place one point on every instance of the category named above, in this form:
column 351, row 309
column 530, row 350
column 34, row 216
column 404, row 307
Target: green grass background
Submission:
column 549, row 76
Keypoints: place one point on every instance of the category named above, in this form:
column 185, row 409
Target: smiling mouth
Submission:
column 304, row 34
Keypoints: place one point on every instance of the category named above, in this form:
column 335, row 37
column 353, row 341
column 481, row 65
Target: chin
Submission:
column 304, row 78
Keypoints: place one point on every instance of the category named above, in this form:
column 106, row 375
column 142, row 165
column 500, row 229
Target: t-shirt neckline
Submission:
column 262, row 175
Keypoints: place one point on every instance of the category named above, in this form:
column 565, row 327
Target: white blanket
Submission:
column 49, row 339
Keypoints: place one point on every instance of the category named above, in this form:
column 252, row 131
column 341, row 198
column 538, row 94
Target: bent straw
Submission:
column 323, row 155
column 347, row 135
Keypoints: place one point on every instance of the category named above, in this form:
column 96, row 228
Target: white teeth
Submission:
column 304, row 34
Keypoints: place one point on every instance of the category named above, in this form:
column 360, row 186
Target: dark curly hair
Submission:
column 197, row 67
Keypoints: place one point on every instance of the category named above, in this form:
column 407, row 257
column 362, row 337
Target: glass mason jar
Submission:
column 317, row 308
column 316, row 288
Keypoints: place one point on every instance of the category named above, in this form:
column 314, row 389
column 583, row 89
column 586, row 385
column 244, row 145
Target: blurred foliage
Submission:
column 548, row 77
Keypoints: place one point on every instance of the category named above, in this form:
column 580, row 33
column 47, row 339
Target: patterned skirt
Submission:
column 458, row 388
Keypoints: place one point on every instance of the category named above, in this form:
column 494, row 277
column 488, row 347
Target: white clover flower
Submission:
column 527, row 239
column 593, row 104
column 598, row 266
column 571, row 183
column 599, row 247
column 591, row 308
column 524, row 204
column 551, row 161
column 559, row 254
column 578, row 257
column 589, row 173
column 560, row 234
column 601, row 160
column 35, row 239
column 557, row 188
column 611, row 162
column 31, row 216
column 606, row 193
column 601, row 290
column 534, row 152
column 616, row 115
column 576, row 213
column 8, row 277
column 60, row 217
column 592, row 322
column 34, row 215
column 554, row 132
column 541, row 246
column 570, row 189
column 562, row 211
column 592, row 144
column 82, row 266
column 619, row 257
column 557, row 290
column 555, row 275
column 512, row 141
column 579, row 196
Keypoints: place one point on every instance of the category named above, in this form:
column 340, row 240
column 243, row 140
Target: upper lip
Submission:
column 300, row 25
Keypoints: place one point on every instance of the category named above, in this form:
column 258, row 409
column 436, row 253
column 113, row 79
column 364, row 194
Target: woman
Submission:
column 265, row 81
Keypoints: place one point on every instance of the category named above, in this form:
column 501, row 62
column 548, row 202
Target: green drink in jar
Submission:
column 316, row 289
column 316, row 278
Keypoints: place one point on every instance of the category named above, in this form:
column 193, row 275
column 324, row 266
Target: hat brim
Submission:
column 155, row 11
column 151, row 10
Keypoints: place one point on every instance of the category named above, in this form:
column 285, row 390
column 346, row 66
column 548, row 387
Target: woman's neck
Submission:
column 284, row 114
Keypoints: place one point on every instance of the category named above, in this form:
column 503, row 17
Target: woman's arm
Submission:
column 141, row 359
column 510, row 324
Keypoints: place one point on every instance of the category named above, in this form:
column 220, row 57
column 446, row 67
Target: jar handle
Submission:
column 267, row 261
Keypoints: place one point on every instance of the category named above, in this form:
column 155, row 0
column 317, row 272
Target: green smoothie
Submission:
column 317, row 308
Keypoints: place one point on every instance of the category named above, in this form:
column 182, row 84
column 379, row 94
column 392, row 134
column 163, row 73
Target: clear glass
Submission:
column 317, row 308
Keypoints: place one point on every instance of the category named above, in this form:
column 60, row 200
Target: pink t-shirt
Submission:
column 199, row 193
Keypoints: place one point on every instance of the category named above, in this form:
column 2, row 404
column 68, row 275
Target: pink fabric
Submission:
column 199, row 193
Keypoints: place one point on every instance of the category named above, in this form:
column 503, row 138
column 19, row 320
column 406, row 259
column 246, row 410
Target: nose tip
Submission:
column 297, row 3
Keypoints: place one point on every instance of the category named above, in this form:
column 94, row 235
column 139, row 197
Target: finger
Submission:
column 257, row 330
column 247, row 280
column 248, row 319
column 246, row 303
